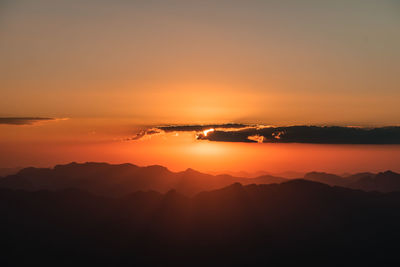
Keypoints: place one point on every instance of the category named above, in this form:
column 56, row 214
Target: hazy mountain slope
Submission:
column 387, row 181
column 384, row 182
column 326, row 178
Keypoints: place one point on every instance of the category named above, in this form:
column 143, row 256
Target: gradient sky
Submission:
column 112, row 68
column 282, row 62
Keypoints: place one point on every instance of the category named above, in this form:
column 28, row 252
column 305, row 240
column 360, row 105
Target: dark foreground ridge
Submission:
column 296, row 222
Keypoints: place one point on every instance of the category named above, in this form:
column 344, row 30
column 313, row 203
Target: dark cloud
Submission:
column 184, row 128
column 198, row 128
column 309, row 134
column 289, row 134
column 23, row 120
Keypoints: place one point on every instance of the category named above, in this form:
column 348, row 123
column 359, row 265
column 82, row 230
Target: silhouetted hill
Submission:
column 297, row 222
column 118, row 180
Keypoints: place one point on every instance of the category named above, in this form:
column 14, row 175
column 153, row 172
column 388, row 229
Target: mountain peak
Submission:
column 191, row 171
column 157, row 167
column 389, row 172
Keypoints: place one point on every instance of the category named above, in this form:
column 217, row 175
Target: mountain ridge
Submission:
column 120, row 179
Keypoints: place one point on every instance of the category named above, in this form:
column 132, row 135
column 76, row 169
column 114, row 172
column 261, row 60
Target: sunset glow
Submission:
column 107, row 140
column 205, row 132
column 200, row 133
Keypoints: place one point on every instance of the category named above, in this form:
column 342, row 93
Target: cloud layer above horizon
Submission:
column 24, row 120
column 287, row 134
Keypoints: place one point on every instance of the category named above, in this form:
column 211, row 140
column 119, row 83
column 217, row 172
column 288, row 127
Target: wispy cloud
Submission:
column 144, row 133
column 26, row 120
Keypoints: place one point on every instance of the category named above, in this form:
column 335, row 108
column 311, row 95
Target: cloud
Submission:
column 202, row 129
column 311, row 135
column 198, row 128
column 288, row 134
column 144, row 133
column 24, row 120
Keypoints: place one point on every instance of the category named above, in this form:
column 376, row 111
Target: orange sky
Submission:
column 202, row 61
column 81, row 140
column 112, row 66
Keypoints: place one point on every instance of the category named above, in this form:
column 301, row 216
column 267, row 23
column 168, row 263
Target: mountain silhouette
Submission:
column 118, row 180
column 295, row 222
column 121, row 179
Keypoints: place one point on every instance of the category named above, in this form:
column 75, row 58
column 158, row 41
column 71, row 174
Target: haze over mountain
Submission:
column 387, row 181
column 246, row 174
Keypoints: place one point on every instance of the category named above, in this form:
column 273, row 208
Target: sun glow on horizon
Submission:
column 205, row 132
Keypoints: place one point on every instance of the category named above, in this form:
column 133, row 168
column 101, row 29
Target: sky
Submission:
column 45, row 144
column 281, row 62
column 80, row 79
